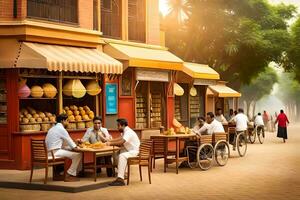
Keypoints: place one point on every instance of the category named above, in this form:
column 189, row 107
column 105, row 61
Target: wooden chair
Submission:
column 159, row 148
column 39, row 157
column 143, row 159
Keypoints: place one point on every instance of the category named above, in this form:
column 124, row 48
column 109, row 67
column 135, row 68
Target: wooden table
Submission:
column 99, row 152
column 177, row 159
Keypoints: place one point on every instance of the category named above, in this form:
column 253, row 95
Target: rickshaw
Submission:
column 209, row 148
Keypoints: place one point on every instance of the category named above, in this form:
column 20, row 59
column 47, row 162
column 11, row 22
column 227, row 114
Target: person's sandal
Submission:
column 70, row 178
column 117, row 182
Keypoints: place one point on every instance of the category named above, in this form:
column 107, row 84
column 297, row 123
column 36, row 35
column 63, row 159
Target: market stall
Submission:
column 223, row 97
column 192, row 103
column 146, row 84
column 44, row 80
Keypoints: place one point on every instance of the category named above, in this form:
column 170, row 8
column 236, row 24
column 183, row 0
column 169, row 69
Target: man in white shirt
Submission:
column 55, row 138
column 131, row 143
column 259, row 124
column 241, row 122
column 220, row 117
column 96, row 134
column 212, row 125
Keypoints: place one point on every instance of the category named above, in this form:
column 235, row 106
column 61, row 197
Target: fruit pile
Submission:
column 82, row 115
column 178, row 129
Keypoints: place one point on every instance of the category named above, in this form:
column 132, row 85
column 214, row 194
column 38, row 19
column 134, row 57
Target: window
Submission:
column 136, row 20
column 111, row 16
column 53, row 10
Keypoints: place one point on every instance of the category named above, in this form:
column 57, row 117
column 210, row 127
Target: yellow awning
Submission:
column 64, row 58
column 200, row 71
column 147, row 56
column 221, row 90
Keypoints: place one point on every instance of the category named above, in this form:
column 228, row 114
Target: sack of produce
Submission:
column 49, row 90
column 37, row 91
column 80, row 125
column 24, row 91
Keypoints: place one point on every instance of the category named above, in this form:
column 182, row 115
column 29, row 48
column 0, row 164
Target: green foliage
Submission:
column 260, row 86
column 236, row 37
column 288, row 88
column 294, row 50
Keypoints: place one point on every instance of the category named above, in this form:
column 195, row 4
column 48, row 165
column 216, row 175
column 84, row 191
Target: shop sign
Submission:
column 204, row 82
column 111, row 98
column 152, row 75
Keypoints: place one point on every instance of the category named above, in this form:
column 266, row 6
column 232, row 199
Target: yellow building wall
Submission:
column 153, row 22
column 85, row 14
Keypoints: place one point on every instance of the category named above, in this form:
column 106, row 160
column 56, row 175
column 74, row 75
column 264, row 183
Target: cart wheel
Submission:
column 192, row 150
column 241, row 144
column 252, row 136
column 222, row 152
column 261, row 135
column 205, row 156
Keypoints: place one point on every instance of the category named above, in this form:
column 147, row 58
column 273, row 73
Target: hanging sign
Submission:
column 111, row 98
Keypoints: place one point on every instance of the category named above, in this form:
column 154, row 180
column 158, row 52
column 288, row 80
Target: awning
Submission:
column 63, row 58
column 147, row 56
column 200, row 71
column 221, row 90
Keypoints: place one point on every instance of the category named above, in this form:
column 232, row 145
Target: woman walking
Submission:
column 282, row 130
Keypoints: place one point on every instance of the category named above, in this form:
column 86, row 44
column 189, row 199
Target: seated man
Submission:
column 259, row 124
column 131, row 143
column 55, row 138
column 212, row 126
column 95, row 134
column 200, row 122
column 191, row 145
column 220, row 117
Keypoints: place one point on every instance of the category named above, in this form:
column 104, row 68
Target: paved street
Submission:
column 269, row 171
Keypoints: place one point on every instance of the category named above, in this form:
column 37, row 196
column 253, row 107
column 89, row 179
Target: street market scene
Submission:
column 143, row 99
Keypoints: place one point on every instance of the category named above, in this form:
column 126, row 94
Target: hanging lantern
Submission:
column 74, row 88
column 193, row 91
column 178, row 90
column 93, row 88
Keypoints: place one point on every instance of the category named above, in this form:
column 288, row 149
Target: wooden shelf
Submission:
column 38, row 76
column 33, row 123
column 33, row 98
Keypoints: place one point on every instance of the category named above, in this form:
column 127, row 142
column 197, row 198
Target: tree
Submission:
column 288, row 92
column 258, row 88
column 294, row 50
column 236, row 37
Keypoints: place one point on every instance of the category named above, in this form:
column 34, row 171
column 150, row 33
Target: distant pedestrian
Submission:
column 282, row 130
column 266, row 118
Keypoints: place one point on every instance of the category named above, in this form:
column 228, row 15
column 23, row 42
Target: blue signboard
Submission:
column 111, row 90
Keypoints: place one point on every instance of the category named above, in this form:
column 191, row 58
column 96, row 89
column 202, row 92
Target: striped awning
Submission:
column 64, row 58
column 146, row 56
column 221, row 90
column 200, row 71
